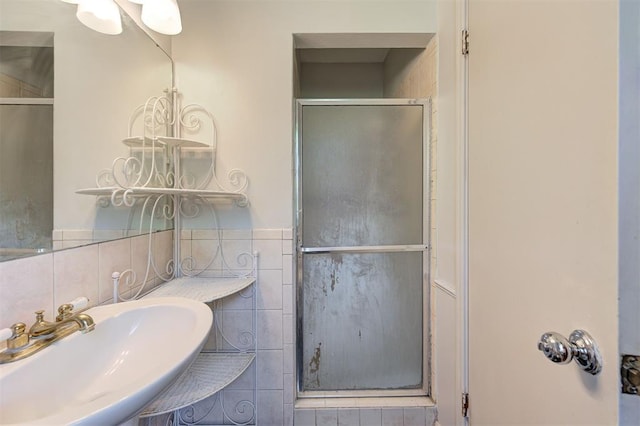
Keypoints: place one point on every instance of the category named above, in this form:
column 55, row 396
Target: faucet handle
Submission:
column 66, row 310
column 18, row 338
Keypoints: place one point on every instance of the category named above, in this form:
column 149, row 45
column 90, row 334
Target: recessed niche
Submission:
column 348, row 66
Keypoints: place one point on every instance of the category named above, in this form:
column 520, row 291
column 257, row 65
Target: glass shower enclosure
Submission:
column 362, row 260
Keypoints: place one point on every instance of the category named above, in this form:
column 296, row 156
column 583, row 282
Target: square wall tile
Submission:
column 242, row 300
column 239, row 404
column 206, row 234
column 246, row 381
column 267, row 234
column 431, row 415
column 327, row 417
column 26, row 285
column 75, row 274
column 287, row 247
column 287, row 269
column 270, row 253
column 236, row 234
column 236, row 256
column 140, row 248
column 288, row 415
column 270, row 375
column 205, row 255
column 288, row 327
column 185, row 251
column 162, row 251
column 414, row 416
column 270, row 407
column 289, row 388
column 235, row 325
column 304, row 417
column 270, row 329
column 270, row 289
column 287, row 299
column 288, row 359
column 370, row 417
column 348, row 417
column 392, row 417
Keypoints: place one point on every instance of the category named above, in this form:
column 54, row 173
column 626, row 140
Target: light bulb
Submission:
column 100, row 15
column 162, row 16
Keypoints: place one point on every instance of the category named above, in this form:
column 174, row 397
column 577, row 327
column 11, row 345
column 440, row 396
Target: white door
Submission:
column 543, row 244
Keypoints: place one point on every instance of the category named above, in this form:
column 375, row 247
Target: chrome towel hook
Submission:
column 580, row 347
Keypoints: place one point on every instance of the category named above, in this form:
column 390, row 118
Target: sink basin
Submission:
column 105, row 377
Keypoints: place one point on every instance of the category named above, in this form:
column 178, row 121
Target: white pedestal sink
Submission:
column 106, row 376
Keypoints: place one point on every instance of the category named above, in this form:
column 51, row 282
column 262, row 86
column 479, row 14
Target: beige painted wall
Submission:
column 236, row 59
column 543, row 207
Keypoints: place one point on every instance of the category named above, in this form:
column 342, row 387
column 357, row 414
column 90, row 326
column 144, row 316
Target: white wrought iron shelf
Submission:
column 142, row 191
column 140, row 141
column 209, row 373
column 202, row 289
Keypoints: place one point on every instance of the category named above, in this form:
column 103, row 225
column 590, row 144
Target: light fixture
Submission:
column 132, row 1
column 100, row 15
column 162, row 16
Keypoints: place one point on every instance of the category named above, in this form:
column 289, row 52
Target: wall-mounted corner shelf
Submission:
column 140, row 141
column 212, row 371
column 145, row 191
column 146, row 179
column 202, row 289
column 154, row 168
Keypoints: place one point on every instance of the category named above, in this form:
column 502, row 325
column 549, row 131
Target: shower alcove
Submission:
column 357, row 73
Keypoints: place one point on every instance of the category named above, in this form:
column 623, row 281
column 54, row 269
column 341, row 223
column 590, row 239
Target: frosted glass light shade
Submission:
column 72, row 1
column 135, row 1
column 162, row 16
column 100, row 15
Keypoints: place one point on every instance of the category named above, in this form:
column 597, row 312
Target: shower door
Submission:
column 362, row 260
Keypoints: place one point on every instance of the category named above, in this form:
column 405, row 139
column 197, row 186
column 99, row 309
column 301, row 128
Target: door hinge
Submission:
column 465, row 42
column 630, row 374
column 465, row 405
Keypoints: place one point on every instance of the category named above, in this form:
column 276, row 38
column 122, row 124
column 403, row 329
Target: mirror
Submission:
column 98, row 81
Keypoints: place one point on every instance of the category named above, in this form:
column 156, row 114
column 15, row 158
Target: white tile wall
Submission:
column 41, row 281
column 48, row 280
column 276, row 341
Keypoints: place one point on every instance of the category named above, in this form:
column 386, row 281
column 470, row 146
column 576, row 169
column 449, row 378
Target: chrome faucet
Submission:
column 43, row 333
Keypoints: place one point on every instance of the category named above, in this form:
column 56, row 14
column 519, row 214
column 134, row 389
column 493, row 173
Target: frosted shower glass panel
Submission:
column 362, row 175
column 362, row 325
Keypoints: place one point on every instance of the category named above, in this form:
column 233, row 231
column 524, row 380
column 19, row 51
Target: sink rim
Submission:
column 134, row 394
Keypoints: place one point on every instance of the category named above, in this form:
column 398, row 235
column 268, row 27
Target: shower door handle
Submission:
column 579, row 347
